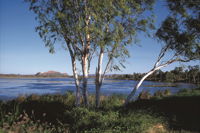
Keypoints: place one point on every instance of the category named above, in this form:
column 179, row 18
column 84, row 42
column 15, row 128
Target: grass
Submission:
column 56, row 113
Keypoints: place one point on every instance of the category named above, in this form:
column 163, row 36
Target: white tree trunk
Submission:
column 85, row 60
column 85, row 79
column 137, row 86
column 75, row 74
column 156, row 67
column 99, row 77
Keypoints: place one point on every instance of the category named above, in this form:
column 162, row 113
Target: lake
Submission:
column 13, row 87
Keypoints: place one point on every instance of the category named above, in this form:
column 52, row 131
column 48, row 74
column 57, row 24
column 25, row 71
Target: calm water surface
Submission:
column 14, row 87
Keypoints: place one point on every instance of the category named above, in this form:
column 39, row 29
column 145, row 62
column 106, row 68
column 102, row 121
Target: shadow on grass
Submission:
column 40, row 110
column 181, row 112
column 44, row 111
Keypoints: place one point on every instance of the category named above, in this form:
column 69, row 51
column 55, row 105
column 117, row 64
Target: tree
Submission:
column 68, row 21
column 180, row 33
column 170, row 77
column 88, row 27
column 178, row 71
column 120, row 22
column 193, row 72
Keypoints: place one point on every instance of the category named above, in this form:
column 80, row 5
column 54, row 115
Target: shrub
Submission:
column 81, row 119
column 158, row 94
column 167, row 92
column 144, row 95
column 183, row 91
column 112, row 102
column 188, row 92
column 138, row 122
column 23, row 124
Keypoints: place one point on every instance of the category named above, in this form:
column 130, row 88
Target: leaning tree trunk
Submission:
column 138, row 85
column 155, row 68
column 99, row 77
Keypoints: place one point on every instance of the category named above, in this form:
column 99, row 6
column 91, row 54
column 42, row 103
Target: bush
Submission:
column 167, row 92
column 160, row 94
column 144, row 95
column 83, row 119
column 112, row 102
column 188, row 92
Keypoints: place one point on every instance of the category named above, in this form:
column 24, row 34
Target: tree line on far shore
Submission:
column 189, row 74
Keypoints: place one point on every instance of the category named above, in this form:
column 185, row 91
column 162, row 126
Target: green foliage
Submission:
column 111, row 25
column 188, row 92
column 83, row 119
column 144, row 95
column 158, row 94
column 170, row 77
column 138, row 122
column 56, row 113
column 62, row 117
column 174, row 108
column 26, row 116
column 189, row 74
column 180, row 31
column 24, row 123
column 10, row 114
column 167, row 92
column 112, row 102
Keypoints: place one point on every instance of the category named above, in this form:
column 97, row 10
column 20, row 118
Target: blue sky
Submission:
column 23, row 52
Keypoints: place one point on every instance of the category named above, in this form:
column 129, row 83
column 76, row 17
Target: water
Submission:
column 13, row 87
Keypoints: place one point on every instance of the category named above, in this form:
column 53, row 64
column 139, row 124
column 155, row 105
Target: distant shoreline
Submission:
column 10, row 76
column 31, row 76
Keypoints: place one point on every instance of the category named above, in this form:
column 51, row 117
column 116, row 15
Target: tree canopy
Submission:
column 110, row 22
column 87, row 26
column 181, row 30
column 180, row 34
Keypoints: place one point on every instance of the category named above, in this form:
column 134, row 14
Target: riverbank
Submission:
column 56, row 113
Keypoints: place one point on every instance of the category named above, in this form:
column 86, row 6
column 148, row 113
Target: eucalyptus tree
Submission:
column 89, row 26
column 68, row 21
column 180, row 33
column 118, row 23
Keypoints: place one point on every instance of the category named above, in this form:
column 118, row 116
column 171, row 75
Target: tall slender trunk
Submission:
column 85, row 79
column 97, row 100
column 99, row 77
column 85, row 57
column 75, row 74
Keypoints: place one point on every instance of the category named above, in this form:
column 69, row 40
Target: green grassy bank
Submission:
column 56, row 113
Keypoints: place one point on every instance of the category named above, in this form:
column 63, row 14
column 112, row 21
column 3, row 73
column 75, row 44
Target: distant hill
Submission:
column 51, row 74
column 39, row 74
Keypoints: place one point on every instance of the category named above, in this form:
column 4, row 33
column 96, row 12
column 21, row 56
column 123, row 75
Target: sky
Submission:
column 22, row 51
